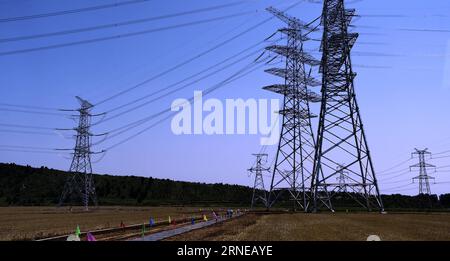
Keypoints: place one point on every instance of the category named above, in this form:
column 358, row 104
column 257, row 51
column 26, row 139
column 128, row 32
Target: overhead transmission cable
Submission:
column 208, row 91
column 72, row 11
column 185, row 79
column 185, row 62
column 119, row 24
column 183, row 86
column 28, row 107
column 121, row 36
column 134, row 124
column 27, row 132
column 395, row 166
column 35, row 112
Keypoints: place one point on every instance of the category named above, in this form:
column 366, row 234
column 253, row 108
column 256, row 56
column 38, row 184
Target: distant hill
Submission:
column 28, row 186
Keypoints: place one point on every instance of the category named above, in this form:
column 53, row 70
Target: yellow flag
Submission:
column 205, row 218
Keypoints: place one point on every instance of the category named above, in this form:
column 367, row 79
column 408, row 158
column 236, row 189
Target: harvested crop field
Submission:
column 327, row 227
column 26, row 223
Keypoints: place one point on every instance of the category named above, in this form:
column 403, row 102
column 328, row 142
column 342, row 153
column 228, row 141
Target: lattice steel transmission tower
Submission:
column 341, row 136
column 293, row 164
column 424, row 178
column 80, row 184
column 259, row 191
column 342, row 179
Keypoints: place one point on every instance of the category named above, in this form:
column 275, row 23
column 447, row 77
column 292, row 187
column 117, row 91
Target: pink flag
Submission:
column 90, row 237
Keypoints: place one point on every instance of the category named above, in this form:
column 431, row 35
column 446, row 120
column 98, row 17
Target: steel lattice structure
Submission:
column 341, row 136
column 294, row 159
column 342, row 179
column 424, row 178
column 259, row 191
column 80, row 184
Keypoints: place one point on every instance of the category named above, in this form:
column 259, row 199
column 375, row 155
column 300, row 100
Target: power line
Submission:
column 185, row 79
column 442, row 152
column 72, row 11
column 191, row 59
column 399, row 187
column 239, row 74
column 129, row 126
column 119, row 24
column 24, row 147
column 121, row 36
column 137, row 123
column 175, row 90
column 29, row 107
column 395, row 172
column 31, row 151
column 25, row 126
column 27, row 132
column 395, row 166
column 396, row 176
column 34, row 112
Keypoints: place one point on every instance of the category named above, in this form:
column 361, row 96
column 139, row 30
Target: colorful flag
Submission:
column 73, row 238
column 143, row 229
column 90, row 237
column 78, row 231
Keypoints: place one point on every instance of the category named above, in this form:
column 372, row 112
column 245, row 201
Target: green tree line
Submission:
column 28, row 186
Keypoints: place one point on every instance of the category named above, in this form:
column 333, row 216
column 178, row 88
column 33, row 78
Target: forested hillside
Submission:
column 25, row 185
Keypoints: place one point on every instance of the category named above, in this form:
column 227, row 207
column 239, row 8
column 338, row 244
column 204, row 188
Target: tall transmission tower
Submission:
column 424, row 178
column 80, row 183
column 341, row 136
column 259, row 192
column 294, row 159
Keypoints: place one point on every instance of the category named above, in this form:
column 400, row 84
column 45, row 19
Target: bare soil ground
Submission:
column 25, row 223
column 327, row 227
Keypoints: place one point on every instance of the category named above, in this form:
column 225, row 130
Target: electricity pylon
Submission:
column 259, row 192
column 80, row 183
column 293, row 164
column 341, row 136
column 342, row 179
column 424, row 178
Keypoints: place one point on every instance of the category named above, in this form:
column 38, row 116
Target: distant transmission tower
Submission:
column 293, row 164
column 342, row 179
column 424, row 179
column 259, row 192
column 80, row 184
column 341, row 136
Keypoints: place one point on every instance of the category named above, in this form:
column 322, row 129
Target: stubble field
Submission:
column 328, row 227
column 27, row 223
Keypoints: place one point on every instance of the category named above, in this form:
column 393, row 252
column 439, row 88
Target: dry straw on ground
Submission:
column 320, row 227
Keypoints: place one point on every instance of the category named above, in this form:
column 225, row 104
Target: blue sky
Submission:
column 403, row 83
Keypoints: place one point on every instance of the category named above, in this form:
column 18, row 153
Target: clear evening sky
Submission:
column 403, row 85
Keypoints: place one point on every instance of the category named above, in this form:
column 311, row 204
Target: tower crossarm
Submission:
column 285, row 89
column 295, row 34
column 300, row 77
column 294, row 53
column 291, row 21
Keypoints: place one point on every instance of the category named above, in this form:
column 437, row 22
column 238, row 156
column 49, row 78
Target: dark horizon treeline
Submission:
column 28, row 186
